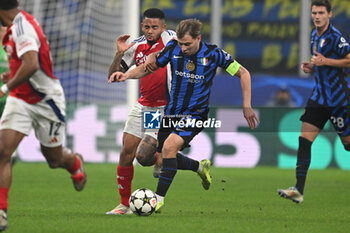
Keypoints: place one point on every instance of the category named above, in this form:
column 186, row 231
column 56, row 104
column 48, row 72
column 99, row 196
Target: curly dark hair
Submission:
column 154, row 13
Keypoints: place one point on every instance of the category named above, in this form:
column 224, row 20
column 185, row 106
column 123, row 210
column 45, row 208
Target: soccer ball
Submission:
column 143, row 202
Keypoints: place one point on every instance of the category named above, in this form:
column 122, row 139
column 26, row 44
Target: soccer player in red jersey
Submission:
column 36, row 101
column 138, row 142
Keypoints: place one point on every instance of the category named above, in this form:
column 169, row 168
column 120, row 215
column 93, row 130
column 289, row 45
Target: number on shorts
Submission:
column 54, row 128
column 338, row 121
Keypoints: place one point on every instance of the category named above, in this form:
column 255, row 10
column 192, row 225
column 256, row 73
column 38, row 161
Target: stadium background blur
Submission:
column 264, row 35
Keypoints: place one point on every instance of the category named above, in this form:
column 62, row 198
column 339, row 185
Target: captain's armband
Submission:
column 233, row 68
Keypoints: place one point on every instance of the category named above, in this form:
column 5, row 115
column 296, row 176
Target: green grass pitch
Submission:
column 239, row 200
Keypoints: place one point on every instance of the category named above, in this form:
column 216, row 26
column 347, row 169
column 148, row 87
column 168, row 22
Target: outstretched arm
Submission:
column 151, row 64
column 136, row 73
column 122, row 46
column 248, row 112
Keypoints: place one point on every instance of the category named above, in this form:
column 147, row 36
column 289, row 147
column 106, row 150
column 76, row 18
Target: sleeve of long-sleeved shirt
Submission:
column 164, row 56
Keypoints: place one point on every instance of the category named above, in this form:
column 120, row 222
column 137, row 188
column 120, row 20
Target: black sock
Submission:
column 303, row 163
column 185, row 163
column 167, row 174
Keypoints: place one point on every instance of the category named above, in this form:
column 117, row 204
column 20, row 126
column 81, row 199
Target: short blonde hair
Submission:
column 190, row 26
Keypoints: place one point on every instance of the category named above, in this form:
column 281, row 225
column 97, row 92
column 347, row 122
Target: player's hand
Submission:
column 121, row 44
column 318, row 59
column 117, row 77
column 5, row 77
column 251, row 118
column 307, row 67
column 150, row 63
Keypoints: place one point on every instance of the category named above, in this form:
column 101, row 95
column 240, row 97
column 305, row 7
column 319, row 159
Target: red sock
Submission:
column 76, row 165
column 124, row 178
column 3, row 198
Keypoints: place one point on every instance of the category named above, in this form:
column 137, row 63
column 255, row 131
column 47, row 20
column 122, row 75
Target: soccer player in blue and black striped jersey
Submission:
column 330, row 96
column 193, row 65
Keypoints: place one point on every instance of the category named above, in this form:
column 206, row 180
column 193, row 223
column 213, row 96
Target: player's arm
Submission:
column 122, row 46
column 115, row 66
column 320, row 60
column 160, row 58
column 151, row 62
column 244, row 75
column 141, row 71
column 342, row 49
column 136, row 73
column 29, row 66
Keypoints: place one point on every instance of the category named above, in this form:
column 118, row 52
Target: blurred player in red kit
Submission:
column 36, row 101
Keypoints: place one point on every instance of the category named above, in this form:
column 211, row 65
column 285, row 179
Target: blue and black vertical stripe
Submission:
column 331, row 88
column 192, row 76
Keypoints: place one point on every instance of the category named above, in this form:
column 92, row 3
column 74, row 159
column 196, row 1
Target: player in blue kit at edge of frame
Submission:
column 330, row 97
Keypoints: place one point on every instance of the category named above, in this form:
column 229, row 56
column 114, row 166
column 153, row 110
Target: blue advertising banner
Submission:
column 262, row 34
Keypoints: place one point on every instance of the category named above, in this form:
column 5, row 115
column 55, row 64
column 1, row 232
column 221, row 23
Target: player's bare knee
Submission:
column 5, row 154
column 169, row 151
column 127, row 154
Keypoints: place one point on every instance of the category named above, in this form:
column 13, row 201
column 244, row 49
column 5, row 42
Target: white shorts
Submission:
column 134, row 123
column 45, row 117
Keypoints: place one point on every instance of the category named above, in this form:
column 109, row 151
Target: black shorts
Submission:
column 318, row 116
column 186, row 132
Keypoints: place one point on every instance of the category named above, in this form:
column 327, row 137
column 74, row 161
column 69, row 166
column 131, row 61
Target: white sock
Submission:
column 199, row 168
column 159, row 198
